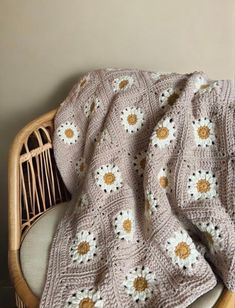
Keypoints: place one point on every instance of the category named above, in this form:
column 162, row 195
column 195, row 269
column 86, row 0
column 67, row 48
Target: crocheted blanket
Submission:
column 149, row 160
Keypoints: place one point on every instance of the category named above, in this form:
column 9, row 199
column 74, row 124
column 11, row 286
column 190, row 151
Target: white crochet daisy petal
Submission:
column 169, row 96
column 209, row 87
column 83, row 294
column 140, row 283
column 84, row 298
column 101, row 136
column 164, row 179
column 164, row 133
column 124, row 225
column 155, row 75
column 151, row 204
column 212, row 235
column 68, row 133
column 108, row 178
column 91, row 106
column 202, row 185
column 99, row 303
column 132, row 119
column 164, row 95
column 182, row 250
column 84, row 247
column 122, row 83
column 82, row 203
column 200, row 82
column 204, row 132
column 81, row 167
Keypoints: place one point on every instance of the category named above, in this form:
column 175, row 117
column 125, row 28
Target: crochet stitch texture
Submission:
column 149, row 160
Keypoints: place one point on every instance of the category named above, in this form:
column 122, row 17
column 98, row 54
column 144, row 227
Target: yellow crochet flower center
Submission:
column 203, row 186
column 208, row 237
column 132, row 119
column 147, row 204
column 83, row 248
column 82, row 82
column 140, row 284
column 92, row 106
column 162, row 132
column 109, row 178
column 142, row 163
column 127, row 225
column 69, row 133
column 123, row 84
column 163, row 181
column 82, row 167
column 86, row 303
column 182, row 250
column 203, row 132
column 204, row 86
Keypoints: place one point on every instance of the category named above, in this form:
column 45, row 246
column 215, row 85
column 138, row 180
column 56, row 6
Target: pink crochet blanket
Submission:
column 149, row 159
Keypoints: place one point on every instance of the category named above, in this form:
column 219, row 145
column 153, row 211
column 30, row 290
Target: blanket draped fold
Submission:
column 149, row 159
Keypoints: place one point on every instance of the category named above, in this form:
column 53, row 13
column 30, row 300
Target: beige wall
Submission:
column 45, row 45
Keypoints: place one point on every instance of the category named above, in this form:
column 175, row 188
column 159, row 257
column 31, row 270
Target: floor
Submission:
column 7, row 297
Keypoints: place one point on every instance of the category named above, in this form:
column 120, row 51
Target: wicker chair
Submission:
column 35, row 186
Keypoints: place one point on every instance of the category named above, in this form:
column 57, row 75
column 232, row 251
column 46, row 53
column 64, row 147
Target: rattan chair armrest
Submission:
column 14, row 219
column 20, row 285
column 14, row 180
column 226, row 300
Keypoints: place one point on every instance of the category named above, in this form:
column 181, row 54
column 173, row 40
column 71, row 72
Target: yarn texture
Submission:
column 149, row 159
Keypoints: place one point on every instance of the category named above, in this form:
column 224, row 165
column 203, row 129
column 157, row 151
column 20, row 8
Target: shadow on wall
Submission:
column 17, row 122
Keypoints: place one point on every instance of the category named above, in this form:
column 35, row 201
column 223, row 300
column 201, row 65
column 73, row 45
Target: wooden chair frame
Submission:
column 34, row 186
